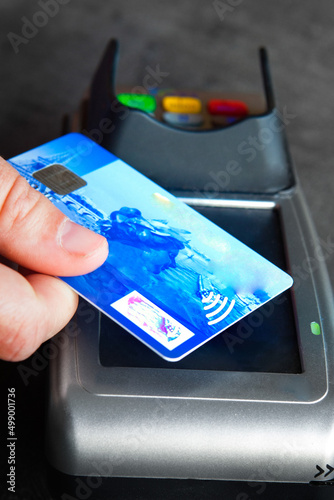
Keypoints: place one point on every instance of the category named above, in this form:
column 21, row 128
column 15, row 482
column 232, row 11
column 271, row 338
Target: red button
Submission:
column 227, row 107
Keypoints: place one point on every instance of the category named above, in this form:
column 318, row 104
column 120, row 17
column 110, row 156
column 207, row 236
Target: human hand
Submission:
column 34, row 234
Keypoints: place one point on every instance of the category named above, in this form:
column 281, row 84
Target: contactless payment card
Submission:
column 172, row 278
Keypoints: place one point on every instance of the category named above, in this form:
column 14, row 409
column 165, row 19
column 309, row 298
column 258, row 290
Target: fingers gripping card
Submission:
column 172, row 278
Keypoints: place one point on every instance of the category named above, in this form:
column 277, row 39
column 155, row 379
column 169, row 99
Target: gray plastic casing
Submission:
column 166, row 423
column 202, row 424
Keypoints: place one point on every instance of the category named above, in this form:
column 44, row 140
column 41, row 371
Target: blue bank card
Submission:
column 173, row 279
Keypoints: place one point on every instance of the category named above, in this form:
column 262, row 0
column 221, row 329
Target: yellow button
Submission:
column 179, row 104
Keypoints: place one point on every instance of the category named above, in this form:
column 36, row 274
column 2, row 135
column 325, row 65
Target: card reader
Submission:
column 256, row 402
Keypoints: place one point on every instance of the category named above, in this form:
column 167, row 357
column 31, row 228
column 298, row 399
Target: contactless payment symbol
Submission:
column 218, row 307
column 212, row 301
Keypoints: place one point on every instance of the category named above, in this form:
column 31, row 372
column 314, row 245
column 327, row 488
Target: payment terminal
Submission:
column 254, row 404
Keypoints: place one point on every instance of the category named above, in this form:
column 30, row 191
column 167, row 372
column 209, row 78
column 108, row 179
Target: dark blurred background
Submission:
column 200, row 48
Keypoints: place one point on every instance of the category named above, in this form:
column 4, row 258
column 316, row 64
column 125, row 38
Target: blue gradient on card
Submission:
column 190, row 268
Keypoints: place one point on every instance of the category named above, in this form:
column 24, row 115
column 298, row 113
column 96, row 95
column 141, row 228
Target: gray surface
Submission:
column 188, row 39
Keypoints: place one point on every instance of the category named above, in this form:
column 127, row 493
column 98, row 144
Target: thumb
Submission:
column 38, row 236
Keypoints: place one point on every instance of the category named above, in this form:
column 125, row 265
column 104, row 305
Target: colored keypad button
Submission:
column 315, row 328
column 181, row 104
column 227, row 107
column 144, row 102
column 183, row 119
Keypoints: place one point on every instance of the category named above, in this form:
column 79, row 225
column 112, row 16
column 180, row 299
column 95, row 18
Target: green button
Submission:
column 315, row 328
column 143, row 102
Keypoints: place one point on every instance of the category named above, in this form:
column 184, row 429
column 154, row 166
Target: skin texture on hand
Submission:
column 34, row 234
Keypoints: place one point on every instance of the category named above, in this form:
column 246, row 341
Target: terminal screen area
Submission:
column 264, row 341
